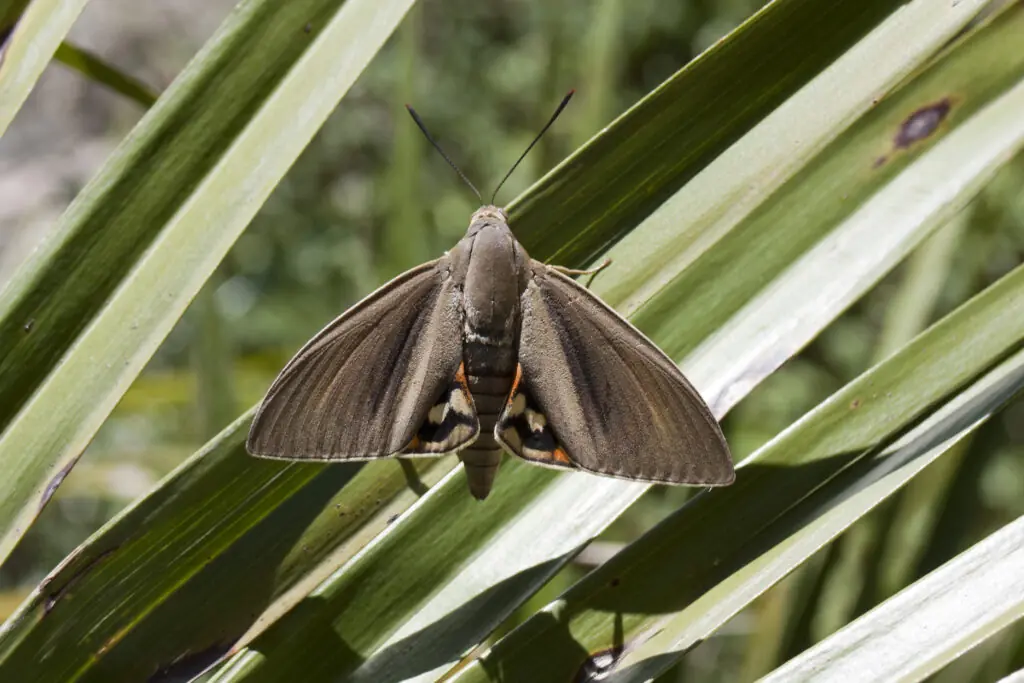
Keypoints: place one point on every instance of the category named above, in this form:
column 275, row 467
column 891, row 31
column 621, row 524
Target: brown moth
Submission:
column 485, row 350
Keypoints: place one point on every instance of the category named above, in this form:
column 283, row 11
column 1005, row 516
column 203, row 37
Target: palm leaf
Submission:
column 750, row 199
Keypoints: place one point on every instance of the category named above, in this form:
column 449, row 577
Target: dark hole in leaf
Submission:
column 599, row 665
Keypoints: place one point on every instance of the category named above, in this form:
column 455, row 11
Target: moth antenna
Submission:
column 565, row 101
column 426, row 133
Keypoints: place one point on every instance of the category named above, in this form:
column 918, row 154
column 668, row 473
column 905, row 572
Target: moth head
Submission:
column 485, row 216
column 490, row 214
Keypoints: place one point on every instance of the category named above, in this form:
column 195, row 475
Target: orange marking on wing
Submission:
column 559, row 455
column 515, row 383
column 460, row 379
column 414, row 444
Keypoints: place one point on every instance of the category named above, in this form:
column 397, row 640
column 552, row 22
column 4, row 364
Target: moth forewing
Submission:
column 616, row 404
column 364, row 385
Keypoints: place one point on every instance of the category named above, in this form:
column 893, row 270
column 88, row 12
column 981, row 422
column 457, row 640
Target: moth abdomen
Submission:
column 489, row 393
column 482, row 457
column 481, row 466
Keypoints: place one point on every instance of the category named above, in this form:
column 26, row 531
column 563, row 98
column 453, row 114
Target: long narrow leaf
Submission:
column 674, row 132
column 871, row 154
column 781, row 146
column 91, row 66
column 30, row 33
column 930, row 623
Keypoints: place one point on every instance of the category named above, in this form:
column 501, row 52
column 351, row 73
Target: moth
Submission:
column 486, row 350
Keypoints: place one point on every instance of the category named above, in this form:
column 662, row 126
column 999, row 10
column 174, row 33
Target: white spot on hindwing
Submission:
column 459, row 402
column 535, row 420
column 518, row 405
column 511, row 437
column 534, row 454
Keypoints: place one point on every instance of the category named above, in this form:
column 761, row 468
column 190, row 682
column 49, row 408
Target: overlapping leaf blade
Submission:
column 91, row 66
column 927, row 624
column 680, row 124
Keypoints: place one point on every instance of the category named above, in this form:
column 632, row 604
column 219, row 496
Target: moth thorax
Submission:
column 491, row 289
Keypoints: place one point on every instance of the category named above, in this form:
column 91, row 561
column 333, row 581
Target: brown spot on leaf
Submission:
column 922, row 123
column 57, row 480
column 854, row 404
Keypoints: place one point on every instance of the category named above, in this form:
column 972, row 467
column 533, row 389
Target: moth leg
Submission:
column 592, row 272
column 412, row 477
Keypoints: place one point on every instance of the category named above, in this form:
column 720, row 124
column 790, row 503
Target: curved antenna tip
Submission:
column 430, row 139
column 561, row 106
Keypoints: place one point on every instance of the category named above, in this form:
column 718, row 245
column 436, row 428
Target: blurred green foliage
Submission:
column 368, row 199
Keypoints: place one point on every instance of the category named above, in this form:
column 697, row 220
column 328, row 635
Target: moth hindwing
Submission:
column 451, row 423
